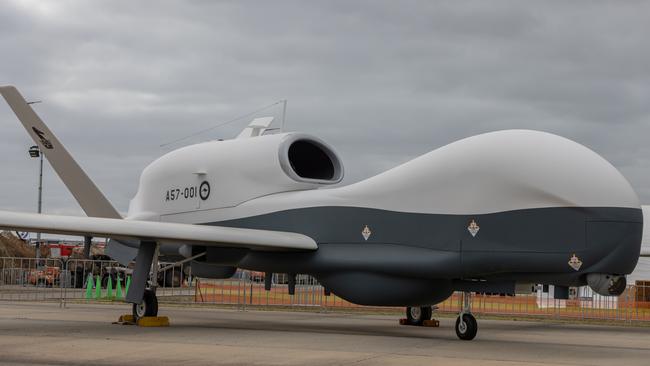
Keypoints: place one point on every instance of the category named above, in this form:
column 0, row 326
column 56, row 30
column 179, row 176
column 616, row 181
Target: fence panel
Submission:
column 29, row 279
column 247, row 288
column 95, row 279
column 46, row 279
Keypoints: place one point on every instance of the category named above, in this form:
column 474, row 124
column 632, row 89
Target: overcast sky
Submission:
column 382, row 82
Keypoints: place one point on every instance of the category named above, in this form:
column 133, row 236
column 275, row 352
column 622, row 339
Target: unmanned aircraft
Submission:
column 484, row 214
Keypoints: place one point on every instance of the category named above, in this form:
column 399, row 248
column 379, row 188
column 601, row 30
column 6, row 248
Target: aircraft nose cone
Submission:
column 616, row 238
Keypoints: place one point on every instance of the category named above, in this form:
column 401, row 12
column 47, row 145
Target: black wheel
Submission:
column 148, row 306
column 466, row 330
column 418, row 314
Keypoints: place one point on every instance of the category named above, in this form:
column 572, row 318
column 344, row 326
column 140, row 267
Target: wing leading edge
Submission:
column 218, row 236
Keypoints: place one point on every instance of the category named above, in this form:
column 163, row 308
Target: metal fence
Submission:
column 26, row 279
column 246, row 290
column 61, row 280
column 29, row 279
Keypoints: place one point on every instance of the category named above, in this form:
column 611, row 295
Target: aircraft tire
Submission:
column 467, row 332
column 148, row 307
column 417, row 315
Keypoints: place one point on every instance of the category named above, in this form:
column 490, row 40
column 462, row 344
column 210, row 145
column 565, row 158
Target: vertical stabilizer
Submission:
column 89, row 197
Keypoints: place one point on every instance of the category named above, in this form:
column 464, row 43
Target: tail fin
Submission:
column 89, row 197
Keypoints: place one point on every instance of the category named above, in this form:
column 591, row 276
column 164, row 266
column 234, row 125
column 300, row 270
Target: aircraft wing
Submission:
column 206, row 235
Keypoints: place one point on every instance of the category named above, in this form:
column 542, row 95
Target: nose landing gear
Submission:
column 466, row 326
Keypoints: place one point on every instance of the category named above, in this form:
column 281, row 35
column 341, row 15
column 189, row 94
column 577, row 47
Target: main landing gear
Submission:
column 148, row 306
column 417, row 315
column 142, row 292
column 466, row 326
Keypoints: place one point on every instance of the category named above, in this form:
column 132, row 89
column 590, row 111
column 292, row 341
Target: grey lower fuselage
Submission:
column 533, row 245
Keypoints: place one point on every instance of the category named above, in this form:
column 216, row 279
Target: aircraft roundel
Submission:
column 204, row 190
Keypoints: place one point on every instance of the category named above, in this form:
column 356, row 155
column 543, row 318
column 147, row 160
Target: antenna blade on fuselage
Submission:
column 255, row 128
column 89, row 197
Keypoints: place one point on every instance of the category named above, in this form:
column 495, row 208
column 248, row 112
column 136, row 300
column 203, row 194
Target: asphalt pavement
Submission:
column 81, row 334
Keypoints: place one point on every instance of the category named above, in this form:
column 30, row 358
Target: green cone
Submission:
column 109, row 288
column 118, row 289
column 89, row 286
column 98, row 287
column 126, row 287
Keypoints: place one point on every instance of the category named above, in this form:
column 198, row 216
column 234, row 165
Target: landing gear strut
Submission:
column 145, row 273
column 418, row 314
column 466, row 326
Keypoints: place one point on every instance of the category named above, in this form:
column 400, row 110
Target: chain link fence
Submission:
column 59, row 280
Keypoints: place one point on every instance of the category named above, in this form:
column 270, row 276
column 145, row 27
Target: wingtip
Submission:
column 7, row 87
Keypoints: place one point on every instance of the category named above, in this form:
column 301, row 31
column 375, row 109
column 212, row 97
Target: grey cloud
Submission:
column 381, row 81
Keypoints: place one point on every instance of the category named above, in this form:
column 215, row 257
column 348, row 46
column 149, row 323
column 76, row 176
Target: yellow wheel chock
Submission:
column 147, row 321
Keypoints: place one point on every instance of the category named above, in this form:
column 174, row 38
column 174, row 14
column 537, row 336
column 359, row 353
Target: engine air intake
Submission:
column 307, row 159
column 310, row 161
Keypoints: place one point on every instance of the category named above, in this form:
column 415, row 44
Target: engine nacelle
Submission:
column 375, row 289
column 221, row 174
column 606, row 284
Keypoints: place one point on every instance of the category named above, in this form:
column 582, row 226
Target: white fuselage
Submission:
column 488, row 173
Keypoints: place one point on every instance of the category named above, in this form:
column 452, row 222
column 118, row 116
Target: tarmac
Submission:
column 83, row 334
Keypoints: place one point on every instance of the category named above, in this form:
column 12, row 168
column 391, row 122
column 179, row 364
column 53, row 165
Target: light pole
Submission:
column 34, row 152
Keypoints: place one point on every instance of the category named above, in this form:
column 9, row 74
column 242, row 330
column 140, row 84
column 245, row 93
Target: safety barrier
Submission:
column 30, row 279
column 632, row 306
column 107, row 275
column 61, row 280
column 58, row 280
column 247, row 289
